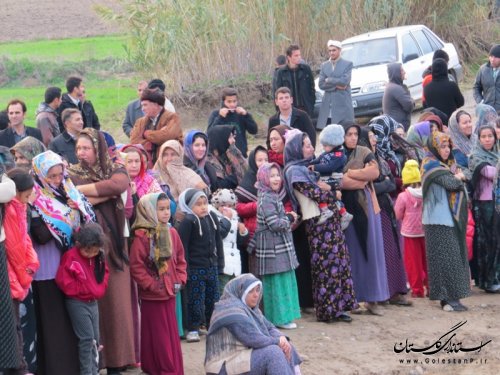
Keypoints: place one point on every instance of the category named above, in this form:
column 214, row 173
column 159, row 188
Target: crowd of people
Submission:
column 110, row 254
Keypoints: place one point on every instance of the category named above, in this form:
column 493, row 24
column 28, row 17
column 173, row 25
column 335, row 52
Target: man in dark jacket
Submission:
column 487, row 85
column 299, row 78
column 65, row 143
column 46, row 115
column 290, row 116
column 75, row 98
column 16, row 110
column 231, row 113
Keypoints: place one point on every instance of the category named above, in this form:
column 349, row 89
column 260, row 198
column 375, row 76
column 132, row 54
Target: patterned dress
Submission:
column 333, row 291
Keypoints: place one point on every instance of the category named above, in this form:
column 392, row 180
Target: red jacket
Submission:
column 75, row 277
column 22, row 261
column 151, row 285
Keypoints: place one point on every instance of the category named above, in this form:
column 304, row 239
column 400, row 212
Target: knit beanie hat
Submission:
column 495, row 50
column 411, row 172
column 332, row 135
column 223, row 197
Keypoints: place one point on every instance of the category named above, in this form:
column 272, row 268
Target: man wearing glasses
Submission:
column 335, row 80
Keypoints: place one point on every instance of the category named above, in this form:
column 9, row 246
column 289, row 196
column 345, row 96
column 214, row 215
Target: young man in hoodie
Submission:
column 46, row 115
column 231, row 113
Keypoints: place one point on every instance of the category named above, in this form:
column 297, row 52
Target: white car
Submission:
column 413, row 46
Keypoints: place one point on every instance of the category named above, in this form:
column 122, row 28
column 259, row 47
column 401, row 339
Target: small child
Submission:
column 274, row 249
column 83, row 278
column 201, row 237
column 224, row 206
column 330, row 166
column 408, row 209
column 158, row 266
column 22, row 260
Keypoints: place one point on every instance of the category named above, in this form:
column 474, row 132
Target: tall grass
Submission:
column 188, row 42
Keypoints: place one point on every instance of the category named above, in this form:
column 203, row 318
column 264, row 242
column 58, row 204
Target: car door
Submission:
column 413, row 64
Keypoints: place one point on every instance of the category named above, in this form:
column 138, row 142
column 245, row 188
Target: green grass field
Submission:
column 75, row 49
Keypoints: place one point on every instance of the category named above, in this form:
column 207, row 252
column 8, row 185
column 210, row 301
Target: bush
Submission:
column 192, row 42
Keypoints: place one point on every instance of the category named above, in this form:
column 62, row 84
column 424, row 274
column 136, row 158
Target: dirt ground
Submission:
column 363, row 347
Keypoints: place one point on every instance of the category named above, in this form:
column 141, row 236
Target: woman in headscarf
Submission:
column 482, row 164
column 224, row 157
column 25, row 150
column 241, row 340
column 332, row 287
column 462, row 137
column 9, row 358
column 195, row 157
column 136, row 164
column 172, row 172
column 276, row 144
column 445, row 218
column 397, row 101
column 103, row 182
column 364, row 238
column 485, row 115
column 246, row 206
column 57, row 210
column 385, row 185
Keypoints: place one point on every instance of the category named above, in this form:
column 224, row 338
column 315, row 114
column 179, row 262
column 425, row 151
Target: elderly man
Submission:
column 157, row 126
column 335, row 80
column 487, row 86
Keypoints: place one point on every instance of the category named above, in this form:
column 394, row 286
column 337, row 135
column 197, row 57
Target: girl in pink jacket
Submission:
column 408, row 209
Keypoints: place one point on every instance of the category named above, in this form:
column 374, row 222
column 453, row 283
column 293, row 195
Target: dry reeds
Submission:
column 192, row 42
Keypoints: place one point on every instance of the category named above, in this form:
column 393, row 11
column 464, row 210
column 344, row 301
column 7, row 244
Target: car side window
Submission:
column 410, row 48
column 436, row 44
column 422, row 41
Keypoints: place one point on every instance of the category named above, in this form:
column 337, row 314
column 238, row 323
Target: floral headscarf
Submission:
column 486, row 115
column 59, row 217
column 145, row 183
column 383, row 126
column 175, row 174
column 460, row 141
column 29, row 147
column 433, row 159
column 159, row 234
column 104, row 167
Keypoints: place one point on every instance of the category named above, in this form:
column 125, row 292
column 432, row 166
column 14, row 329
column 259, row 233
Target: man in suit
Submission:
column 291, row 116
column 16, row 110
column 335, row 80
column 134, row 110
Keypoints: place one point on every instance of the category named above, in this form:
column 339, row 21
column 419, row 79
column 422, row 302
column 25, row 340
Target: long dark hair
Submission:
column 91, row 235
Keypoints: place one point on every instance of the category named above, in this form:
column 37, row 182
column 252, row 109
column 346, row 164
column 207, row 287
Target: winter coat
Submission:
column 300, row 120
column 21, row 255
column 46, row 122
column 305, row 95
column 90, row 119
column 273, row 241
column 485, row 88
column 76, row 278
column 408, row 209
column 397, row 102
column 65, row 146
column 152, row 286
column 336, row 101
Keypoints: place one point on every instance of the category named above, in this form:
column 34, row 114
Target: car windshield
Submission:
column 371, row 52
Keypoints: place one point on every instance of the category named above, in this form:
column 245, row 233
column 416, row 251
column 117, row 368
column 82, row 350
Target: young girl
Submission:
column 158, row 266
column 22, row 261
column 83, row 278
column 201, row 237
column 274, row 249
column 408, row 210
column 223, row 205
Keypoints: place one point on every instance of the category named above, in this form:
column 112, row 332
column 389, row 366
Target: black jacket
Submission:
column 7, row 136
column 64, row 145
column 300, row 120
column 90, row 119
column 205, row 250
column 305, row 95
column 240, row 122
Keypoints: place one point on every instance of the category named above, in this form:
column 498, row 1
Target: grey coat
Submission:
column 338, row 100
column 132, row 114
column 273, row 238
column 487, row 89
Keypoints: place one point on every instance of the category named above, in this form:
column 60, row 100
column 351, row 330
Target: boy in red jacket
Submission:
column 83, row 278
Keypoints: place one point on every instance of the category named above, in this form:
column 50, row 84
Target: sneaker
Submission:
column 457, row 306
column 290, row 325
column 324, row 216
column 345, row 220
column 193, row 336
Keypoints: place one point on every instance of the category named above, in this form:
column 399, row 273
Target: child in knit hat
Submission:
column 408, row 209
column 330, row 166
